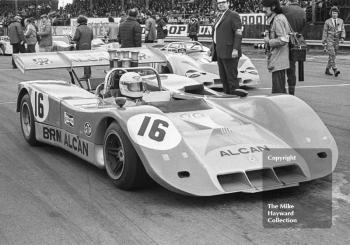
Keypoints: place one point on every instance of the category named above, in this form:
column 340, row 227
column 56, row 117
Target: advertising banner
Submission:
column 99, row 26
column 253, row 19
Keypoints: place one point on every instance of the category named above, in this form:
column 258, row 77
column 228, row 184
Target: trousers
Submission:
column 332, row 48
column 291, row 77
column 228, row 72
column 31, row 48
column 279, row 81
column 17, row 48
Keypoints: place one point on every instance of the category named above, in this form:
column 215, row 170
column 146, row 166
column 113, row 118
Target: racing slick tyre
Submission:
column 122, row 163
column 27, row 121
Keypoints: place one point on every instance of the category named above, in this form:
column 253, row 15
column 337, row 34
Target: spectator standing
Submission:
column 193, row 29
column 30, row 35
column 45, row 34
column 83, row 36
column 277, row 40
column 227, row 39
column 296, row 17
column 123, row 17
column 150, row 28
column 333, row 33
column 16, row 35
column 112, row 30
column 161, row 29
column 130, row 31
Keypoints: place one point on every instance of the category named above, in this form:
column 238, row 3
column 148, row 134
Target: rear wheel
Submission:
column 27, row 121
column 121, row 160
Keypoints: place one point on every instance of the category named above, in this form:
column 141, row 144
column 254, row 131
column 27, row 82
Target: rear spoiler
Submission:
column 72, row 59
column 62, row 59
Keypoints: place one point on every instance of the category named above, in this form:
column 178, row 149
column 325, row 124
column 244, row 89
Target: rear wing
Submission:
column 72, row 59
column 62, row 59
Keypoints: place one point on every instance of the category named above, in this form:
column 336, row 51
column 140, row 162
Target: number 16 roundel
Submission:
column 40, row 105
column 153, row 131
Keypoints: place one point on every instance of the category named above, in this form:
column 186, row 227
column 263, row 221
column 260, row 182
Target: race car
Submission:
column 191, row 59
column 62, row 43
column 59, row 43
column 5, row 46
column 189, row 139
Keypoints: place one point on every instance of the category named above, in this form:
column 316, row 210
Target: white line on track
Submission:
column 320, row 86
column 9, row 102
column 8, row 69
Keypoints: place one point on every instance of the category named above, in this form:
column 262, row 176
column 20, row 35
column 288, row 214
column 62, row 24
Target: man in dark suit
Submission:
column 296, row 17
column 227, row 38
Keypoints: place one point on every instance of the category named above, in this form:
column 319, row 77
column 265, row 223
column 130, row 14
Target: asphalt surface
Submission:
column 48, row 196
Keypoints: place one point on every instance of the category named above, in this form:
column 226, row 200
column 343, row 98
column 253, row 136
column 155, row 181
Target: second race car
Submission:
column 5, row 45
column 191, row 59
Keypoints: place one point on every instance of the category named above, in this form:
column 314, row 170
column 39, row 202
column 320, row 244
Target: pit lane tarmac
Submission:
column 48, row 196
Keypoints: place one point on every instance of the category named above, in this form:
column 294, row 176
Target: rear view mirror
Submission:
column 120, row 101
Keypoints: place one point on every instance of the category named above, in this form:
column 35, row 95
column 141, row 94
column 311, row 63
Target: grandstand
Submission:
column 317, row 10
column 175, row 11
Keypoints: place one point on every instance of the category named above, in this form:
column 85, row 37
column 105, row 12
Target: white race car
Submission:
column 192, row 59
column 5, row 46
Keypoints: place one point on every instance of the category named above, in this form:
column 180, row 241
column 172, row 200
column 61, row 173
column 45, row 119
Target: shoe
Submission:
column 239, row 92
column 291, row 90
column 336, row 72
column 327, row 72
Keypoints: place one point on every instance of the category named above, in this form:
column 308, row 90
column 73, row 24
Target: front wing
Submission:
column 209, row 162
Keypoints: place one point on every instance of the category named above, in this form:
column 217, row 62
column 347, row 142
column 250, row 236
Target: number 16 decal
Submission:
column 40, row 105
column 156, row 133
column 153, row 131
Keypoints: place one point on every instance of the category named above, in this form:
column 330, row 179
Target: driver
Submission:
column 132, row 86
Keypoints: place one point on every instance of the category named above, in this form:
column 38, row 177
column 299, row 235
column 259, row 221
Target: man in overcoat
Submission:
column 226, row 48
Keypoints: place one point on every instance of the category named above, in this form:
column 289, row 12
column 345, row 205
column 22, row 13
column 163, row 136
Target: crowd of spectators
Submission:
column 174, row 10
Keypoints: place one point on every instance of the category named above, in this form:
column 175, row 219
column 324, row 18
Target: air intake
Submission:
column 290, row 174
column 234, row 182
column 263, row 179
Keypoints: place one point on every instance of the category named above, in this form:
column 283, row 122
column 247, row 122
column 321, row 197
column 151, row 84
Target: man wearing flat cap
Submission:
column 226, row 48
column 45, row 34
column 16, row 35
column 333, row 33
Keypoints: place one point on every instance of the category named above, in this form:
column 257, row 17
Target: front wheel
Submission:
column 27, row 121
column 121, row 160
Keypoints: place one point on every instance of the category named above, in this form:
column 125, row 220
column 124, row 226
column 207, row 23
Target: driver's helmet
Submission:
column 131, row 85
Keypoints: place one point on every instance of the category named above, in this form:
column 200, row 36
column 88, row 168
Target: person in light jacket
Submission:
column 30, row 35
column 112, row 30
column 150, row 28
column 333, row 34
column 276, row 40
column 45, row 34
